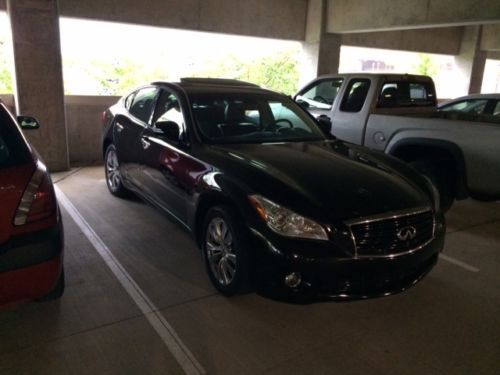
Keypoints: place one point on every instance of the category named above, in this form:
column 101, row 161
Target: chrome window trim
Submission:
column 392, row 215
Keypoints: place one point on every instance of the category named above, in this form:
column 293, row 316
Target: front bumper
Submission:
column 340, row 277
column 30, row 265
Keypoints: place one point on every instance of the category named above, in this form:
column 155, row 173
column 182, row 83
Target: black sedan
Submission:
column 271, row 199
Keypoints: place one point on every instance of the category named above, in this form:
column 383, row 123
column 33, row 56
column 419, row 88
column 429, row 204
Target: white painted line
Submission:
column 459, row 263
column 162, row 327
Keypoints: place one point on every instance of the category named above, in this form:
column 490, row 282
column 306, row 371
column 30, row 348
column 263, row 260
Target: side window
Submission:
column 322, row 95
column 355, row 95
column 406, row 94
column 284, row 117
column 128, row 100
column 142, row 104
column 168, row 108
column 473, row 106
column 496, row 109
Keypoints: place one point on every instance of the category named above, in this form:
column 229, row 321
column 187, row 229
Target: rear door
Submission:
column 128, row 128
column 16, row 168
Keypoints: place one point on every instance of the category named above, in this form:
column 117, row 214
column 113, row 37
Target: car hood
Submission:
column 328, row 180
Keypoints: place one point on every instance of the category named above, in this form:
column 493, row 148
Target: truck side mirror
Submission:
column 325, row 124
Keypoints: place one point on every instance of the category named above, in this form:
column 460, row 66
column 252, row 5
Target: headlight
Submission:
column 434, row 192
column 286, row 222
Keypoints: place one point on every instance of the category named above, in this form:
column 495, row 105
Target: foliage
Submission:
column 426, row 66
column 279, row 72
column 6, row 86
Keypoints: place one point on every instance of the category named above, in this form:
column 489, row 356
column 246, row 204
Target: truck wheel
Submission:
column 442, row 178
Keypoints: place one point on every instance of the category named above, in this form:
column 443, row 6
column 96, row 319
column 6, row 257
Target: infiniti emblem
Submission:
column 407, row 233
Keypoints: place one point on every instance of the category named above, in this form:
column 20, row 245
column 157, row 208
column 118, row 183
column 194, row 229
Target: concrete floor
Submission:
column 447, row 324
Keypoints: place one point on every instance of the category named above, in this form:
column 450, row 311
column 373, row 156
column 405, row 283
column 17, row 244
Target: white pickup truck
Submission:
column 397, row 114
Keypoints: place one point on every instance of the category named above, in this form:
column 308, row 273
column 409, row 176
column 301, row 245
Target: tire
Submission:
column 224, row 250
column 57, row 292
column 441, row 177
column 113, row 175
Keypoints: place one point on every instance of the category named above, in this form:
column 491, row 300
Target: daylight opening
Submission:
column 103, row 58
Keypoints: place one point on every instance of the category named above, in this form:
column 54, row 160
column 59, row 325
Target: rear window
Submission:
column 407, row 94
column 13, row 150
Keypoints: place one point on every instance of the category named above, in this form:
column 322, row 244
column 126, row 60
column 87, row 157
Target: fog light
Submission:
column 293, row 280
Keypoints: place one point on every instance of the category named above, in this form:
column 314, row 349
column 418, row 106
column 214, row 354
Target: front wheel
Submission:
column 224, row 251
column 113, row 175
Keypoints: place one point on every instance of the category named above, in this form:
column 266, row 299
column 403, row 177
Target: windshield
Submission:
column 252, row 118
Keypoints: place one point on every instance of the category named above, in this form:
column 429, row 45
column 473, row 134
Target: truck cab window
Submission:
column 322, row 94
column 355, row 95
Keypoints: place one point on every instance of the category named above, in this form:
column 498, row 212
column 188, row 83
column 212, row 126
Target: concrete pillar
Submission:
column 471, row 61
column 321, row 50
column 39, row 79
column 329, row 53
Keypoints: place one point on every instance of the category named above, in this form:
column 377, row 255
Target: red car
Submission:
column 31, row 234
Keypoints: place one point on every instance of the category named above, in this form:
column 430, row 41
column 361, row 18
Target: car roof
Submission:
column 400, row 76
column 494, row 96
column 478, row 96
column 215, row 85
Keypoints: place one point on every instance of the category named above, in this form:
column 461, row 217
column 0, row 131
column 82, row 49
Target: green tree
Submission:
column 426, row 66
column 279, row 72
column 118, row 77
column 6, row 86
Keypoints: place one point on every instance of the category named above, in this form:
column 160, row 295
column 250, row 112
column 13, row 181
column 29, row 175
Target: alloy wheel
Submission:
column 112, row 170
column 219, row 247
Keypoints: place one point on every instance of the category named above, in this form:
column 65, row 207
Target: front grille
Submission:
column 396, row 234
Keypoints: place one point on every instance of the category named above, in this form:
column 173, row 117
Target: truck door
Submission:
column 351, row 115
column 318, row 97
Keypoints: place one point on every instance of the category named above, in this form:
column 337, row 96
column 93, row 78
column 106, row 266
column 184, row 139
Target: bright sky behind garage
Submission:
column 172, row 53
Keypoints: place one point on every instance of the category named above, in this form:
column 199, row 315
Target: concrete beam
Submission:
column 346, row 16
column 491, row 38
column 493, row 55
column 38, row 72
column 437, row 40
column 280, row 19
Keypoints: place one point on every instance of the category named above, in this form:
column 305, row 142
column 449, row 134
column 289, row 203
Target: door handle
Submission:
column 119, row 127
column 145, row 144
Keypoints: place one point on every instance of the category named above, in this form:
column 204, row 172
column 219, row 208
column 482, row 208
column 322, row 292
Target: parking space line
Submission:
column 458, row 263
column 162, row 327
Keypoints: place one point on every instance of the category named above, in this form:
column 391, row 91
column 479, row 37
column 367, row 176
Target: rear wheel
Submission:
column 113, row 175
column 224, row 251
column 442, row 177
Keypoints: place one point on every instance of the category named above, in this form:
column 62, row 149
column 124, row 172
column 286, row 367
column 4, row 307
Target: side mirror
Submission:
column 325, row 124
column 302, row 103
column 28, row 122
column 169, row 129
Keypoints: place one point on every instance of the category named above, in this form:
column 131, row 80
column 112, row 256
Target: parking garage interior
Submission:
column 137, row 297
